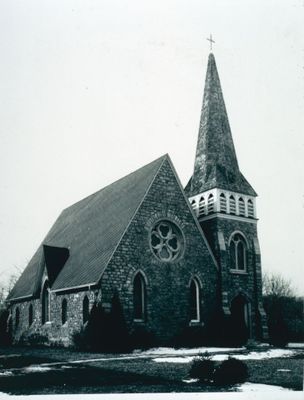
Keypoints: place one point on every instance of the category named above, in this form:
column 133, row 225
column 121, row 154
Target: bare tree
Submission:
column 275, row 285
column 5, row 288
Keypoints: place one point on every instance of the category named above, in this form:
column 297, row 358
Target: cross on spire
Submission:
column 211, row 41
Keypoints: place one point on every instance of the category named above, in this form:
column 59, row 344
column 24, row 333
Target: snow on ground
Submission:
column 167, row 351
column 37, row 368
column 6, row 373
column 251, row 387
column 296, row 345
column 259, row 387
column 192, row 380
column 254, row 355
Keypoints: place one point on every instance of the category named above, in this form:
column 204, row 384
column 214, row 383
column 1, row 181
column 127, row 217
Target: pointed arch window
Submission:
column 232, row 205
column 45, row 303
column 194, row 300
column 139, row 297
column 17, row 317
column 223, row 203
column 85, row 309
column 210, row 205
column 238, row 252
column 30, row 314
column 250, row 209
column 241, row 206
column 193, row 204
column 201, row 207
column 64, row 311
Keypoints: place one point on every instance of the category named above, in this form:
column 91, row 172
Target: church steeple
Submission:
column 216, row 164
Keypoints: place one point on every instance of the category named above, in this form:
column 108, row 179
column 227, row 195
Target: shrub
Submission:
column 34, row 339
column 5, row 328
column 231, row 371
column 202, row 368
column 104, row 332
column 79, row 339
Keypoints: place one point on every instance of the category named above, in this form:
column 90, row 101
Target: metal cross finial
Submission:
column 211, row 41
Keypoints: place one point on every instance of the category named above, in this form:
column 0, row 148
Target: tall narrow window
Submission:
column 201, row 207
column 223, row 203
column 241, row 206
column 238, row 252
column 139, row 294
column 17, row 317
column 30, row 314
column 250, row 209
column 64, row 311
column 194, row 301
column 45, row 303
column 210, row 203
column 193, row 204
column 85, row 309
column 232, row 205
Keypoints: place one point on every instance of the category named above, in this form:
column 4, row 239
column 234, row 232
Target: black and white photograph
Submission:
column 152, row 199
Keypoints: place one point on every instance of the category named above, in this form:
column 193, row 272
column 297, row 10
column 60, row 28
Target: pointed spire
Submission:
column 216, row 164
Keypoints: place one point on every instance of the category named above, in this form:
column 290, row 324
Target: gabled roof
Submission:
column 216, row 164
column 90, row 229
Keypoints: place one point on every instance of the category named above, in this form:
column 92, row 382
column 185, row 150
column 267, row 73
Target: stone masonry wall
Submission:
column 250, row 282
column 54, row 330
column 167, row 282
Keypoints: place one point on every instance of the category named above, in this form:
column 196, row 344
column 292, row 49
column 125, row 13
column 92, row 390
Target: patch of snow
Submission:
column 254, row 355
column 274, row 353
column 3, row 395
column 10, row 355
column 176, row 360
column 6, row 373
column 295, row 345
column 283, row 370
column 259, row 387
column 186, row 351
column 190, row 380
column 37, row 368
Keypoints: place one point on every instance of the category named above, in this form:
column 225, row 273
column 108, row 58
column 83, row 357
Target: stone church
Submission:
column 177, row 257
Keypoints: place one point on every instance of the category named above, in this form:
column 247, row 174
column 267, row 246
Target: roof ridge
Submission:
column 110, row 184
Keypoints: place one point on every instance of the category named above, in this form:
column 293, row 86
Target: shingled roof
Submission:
column 90, row 230
column 216, row 164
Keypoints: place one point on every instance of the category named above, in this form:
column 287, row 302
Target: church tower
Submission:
column 225, row 205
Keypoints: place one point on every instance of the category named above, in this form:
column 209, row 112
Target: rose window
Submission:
column 166, row 241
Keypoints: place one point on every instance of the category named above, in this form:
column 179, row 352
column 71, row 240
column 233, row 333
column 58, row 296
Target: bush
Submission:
column 34, row 339
column 202, row 368
column 104, row 332
column 231, row 371
column 79, row 339
column 5, row 329
column 285, row 319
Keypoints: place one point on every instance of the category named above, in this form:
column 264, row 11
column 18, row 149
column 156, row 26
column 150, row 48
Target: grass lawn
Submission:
column 122, row 375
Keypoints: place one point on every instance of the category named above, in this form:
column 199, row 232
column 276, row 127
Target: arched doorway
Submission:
column 240, row 319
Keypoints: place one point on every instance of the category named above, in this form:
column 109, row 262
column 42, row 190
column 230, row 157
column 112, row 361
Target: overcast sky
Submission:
column 92, row 90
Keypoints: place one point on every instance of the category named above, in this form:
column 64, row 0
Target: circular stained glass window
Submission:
column 166, row 241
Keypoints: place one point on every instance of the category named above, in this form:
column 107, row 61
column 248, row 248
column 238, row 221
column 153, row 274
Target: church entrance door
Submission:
column 240, row 319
